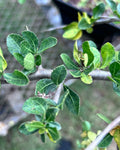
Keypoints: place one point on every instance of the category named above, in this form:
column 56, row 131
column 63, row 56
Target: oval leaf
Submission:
column 13, row 43
column 29, row 61
column 45, row 86
column 59, row 74
column 35, row 105
column 72, row 101
column 98, row 10
column 47, row 43
column 68, row 62
column 107, row 53
column 16, row 78
column 32, row 39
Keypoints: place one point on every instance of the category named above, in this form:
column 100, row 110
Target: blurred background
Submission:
column 96, row 98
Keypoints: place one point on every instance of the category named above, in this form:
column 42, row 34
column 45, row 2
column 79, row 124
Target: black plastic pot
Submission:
column 101, row 34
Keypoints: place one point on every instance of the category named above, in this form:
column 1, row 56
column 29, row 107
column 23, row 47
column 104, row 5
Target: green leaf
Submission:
column 91, row 135
column 59, row 74
column 51, row 113
column 53, row 134
column 98, row 10
column 45, row 86
column 26, row 48
column 53, row 125
column 116, row 88
column 23, row 129
column 50, row 102
column 35, row 105
column 29, row 62
column 3, row 63
column 19, row 58
column 106, row 141
column 115, row 71
column 76, row 53
column 86, row 50
column 68, row 62
column 32, row 39
column 76, row 73
column 16, row 78
column 13, row 43
column 92, row 44
column 38, row 60
column 87, row 79
column 96, row 60
column 34, row 125
column 107, row 53
column 72, row 101
column 112, row 5
column 86, row 126
column 43, row 138
column 72, row 34
column 101, row 116
column 47, row 43
column 84, row 24
column 117, row 137
column 62, row 99
column 21, row 1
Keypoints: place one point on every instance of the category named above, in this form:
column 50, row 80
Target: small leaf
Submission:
column 86, row 50
column 72, row 101
column 33, row 126
column 13, row 43
column 53, row 125
column 76, row 53
column 96, row 60
column 98, row 10
column 38, row 60
column 23, row 129
column 58, row 75
column 29, row 62
column 16, row 78
column 91, row 135
column 53, row 134
column 26, row 48
column 87, row 79
column 35, row 105
column 3, row 63
column 32, row 39
column 106, row 141
column 76, row 73
column 47, row 43
column 116, row 88
column 112, row 5
column 21, row 1
column 43, row 138
column 45, row 86
column 28, row 72
column 84, row 24
column 62, row 99
column 19, row 58
column 107, row 53
column 68, row 62
column 117, row 137
column 51, row 114
column 101, row 116
column 86, row 126
column 115, row 71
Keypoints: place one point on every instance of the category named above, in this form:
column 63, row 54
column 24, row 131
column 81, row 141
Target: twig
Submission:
column 46, row 73
column 112, row 125
column 103, row 20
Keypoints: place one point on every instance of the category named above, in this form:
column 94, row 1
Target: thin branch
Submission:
column 103, row 20
column 46, row 73
column 112, row 125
